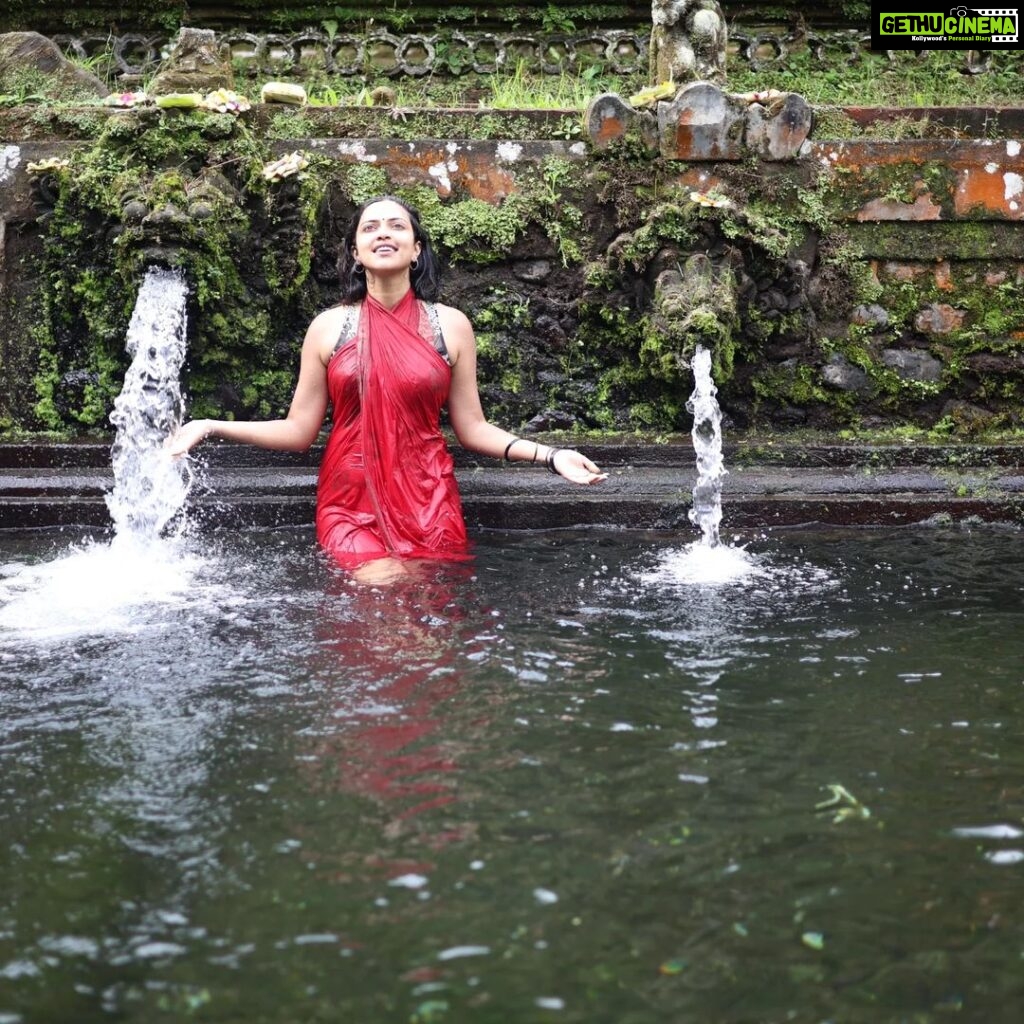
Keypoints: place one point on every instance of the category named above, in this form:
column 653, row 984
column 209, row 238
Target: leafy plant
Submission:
column 324, row 97
column 555, row 20
column 523, row 90
column 100, row 64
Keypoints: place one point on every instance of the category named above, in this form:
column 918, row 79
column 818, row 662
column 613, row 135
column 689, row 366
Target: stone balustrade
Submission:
column 454, row 53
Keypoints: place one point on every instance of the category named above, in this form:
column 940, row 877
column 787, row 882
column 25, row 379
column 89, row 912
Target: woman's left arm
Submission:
column 471, row 426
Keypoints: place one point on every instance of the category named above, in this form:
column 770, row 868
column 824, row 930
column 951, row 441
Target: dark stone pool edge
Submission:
column 769, row 484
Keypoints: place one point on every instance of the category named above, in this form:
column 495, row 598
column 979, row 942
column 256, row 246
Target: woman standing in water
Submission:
column 388, row 358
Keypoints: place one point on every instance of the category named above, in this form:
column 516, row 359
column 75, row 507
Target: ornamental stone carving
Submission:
column 198, row 63
column 688, row 41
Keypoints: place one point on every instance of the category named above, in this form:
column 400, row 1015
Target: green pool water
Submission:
column 561, row 783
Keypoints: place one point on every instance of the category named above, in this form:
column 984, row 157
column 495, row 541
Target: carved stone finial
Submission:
column 196, row 64
column 688, row 41
column 610, row 119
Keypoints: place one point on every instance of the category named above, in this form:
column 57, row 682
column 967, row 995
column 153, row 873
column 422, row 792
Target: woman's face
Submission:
column 384, row 240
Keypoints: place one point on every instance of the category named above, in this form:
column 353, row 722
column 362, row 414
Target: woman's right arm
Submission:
column 299, row 429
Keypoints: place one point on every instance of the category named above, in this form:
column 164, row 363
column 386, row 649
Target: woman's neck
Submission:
column 388, row 291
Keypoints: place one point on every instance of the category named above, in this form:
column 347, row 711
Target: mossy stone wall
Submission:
column 864, row 284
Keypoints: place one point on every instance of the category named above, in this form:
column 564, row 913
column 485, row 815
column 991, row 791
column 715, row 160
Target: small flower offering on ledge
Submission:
column 50, row 165
column 285, row 167
column 225, row 101
column 705, row 199
column 765, row 96
column 126, row 99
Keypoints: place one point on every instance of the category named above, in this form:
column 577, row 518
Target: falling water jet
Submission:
column 707, row 561
column 150, row 487
column 706, row 511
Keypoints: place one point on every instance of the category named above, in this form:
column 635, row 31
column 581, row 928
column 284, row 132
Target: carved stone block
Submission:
column 778, row 130
column 611, row 119
column 701, row 123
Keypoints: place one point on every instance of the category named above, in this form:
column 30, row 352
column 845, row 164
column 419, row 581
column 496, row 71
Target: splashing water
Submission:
column 127, row 586
column 150, row 486
column 707, row 445
column 697, row 563
column 130, row 583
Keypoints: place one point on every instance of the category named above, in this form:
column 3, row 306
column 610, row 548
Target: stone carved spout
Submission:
column 695, row 304
column 160, row 222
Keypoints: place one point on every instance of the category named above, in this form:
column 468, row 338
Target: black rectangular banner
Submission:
column 923, row 26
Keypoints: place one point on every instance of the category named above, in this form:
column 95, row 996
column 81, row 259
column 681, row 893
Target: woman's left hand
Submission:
column 577, row 467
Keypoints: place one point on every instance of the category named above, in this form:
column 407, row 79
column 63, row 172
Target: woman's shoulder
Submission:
column 332, row 320
column 456, row 331
column 339, row 314
column 452, row 319
column 332, row 326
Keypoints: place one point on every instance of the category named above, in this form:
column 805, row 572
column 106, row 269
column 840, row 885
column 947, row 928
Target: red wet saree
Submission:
column 387, row 484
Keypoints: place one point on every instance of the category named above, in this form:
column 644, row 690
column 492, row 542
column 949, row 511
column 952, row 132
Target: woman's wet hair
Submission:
column 425, row 276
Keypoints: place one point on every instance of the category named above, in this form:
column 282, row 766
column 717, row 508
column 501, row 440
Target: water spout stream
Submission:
column 706, row 511
column 149, row 486
column 706, row 561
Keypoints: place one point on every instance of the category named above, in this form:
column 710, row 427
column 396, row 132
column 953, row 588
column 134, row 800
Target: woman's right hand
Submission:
column 187, row 436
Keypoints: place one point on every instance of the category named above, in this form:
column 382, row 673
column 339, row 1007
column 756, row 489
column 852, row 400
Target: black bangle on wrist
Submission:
column 549, row 461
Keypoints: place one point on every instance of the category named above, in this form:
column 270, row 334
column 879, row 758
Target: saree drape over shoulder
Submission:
column 387, row 483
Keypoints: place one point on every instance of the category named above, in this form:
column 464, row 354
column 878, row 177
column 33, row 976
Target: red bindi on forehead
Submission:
column 390, row 213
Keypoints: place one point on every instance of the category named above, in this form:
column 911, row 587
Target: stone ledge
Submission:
column 618, row 450
column 641, row 492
